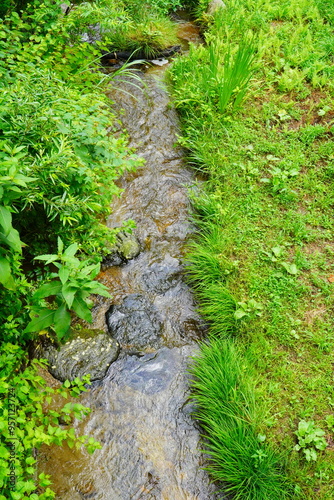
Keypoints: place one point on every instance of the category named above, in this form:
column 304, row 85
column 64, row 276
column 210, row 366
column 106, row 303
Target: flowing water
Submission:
column 140, row 411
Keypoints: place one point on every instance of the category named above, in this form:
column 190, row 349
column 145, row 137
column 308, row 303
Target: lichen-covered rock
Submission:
column 136, row 322
column 82, row 355
column 127, row 247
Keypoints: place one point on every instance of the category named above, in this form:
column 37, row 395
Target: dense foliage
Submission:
column 59, row 159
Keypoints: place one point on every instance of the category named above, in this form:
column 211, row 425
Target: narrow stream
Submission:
column 140, row 411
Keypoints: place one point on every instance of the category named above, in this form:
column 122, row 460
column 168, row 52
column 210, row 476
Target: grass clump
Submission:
column 238, row 454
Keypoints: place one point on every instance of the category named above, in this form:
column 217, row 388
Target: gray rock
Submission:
column 215, row 5
column 135, row 323
column 160, row 277
column 80, row 356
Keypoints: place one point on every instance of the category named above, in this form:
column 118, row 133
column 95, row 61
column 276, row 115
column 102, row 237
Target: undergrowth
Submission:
column 59, row 159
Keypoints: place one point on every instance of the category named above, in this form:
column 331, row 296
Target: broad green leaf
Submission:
column 290, row 268
column 69, row 292
column 71, row 250
column 5, row 271
column 63, row 274
column 47, row 257
column 96, row 287
column 239, row 313
column 62, row 321
column 12, row 239
column 5, row 220
column 81, row 309
column 92, row 270
column 47, row 289
column 44, row 319
column 60, row 245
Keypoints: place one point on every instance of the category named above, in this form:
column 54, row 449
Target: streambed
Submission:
column 140, row 410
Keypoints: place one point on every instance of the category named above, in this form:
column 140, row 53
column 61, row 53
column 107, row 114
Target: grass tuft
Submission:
column 226, row 409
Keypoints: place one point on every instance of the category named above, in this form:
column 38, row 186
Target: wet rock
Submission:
column 136, row 322
column 160, row 277
column 215, row 5
column 126, row 248
column 81, row 356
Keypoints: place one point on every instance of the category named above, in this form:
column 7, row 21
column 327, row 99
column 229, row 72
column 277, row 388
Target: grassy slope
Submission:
column 265, row 218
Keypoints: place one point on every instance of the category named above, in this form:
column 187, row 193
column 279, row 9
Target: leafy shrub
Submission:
column 65, row 147
column 73, row 285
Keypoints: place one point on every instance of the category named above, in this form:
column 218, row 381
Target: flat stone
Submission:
column 81, row 356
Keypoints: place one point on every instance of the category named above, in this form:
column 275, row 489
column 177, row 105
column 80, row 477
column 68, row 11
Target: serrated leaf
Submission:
column 80, row 307
column 43, row 320
column 63, row 274
column 47, row 290
column 69, row 292
column 62, row 321
column 47, row 257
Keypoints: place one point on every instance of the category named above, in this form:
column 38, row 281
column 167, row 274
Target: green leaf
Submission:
column 96, row 287
column 60, row 245
column 44, row 319
column 12, row 239
column 71, row 250
column 62, row 321
column 63, row 274
column 48, row 257
column 5, row 271
column 81, row 309
column 47, row 290
column 5, row 220
column 69, row 291
column 290, row 268
column 239, row 313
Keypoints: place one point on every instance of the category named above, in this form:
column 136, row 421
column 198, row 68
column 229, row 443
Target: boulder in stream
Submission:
column 126, row 248
column 135, row 323
column 85, row 354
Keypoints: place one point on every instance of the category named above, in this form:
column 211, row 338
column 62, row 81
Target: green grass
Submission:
column 264, row 219
column 239, row 455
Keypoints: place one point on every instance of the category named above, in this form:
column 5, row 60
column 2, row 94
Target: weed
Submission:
column 310, row 439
